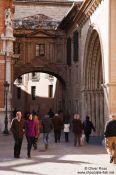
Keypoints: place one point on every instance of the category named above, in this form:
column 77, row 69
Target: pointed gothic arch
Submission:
column 93, row 95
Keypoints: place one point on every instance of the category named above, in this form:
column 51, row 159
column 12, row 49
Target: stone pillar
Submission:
column 101, row 113
column 97, row 113
column 6, row 51
column 7, row 56
column 92, row 107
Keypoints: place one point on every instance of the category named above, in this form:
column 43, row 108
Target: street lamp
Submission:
column 6, row 89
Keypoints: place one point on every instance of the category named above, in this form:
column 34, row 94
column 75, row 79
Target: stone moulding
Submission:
column 86, row 10
column 35, row 22
column 48, row 2
column 79, row 13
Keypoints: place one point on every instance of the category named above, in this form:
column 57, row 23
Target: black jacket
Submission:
column 47, row 125
column 88, row 126
column 17, row 128
column 110, row 129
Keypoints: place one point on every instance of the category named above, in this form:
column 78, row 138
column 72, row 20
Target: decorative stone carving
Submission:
column 8, row 23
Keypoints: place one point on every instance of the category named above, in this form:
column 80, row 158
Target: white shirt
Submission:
column 66, row 127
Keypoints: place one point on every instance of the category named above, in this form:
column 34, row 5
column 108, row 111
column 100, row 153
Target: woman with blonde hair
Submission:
column 77, row 129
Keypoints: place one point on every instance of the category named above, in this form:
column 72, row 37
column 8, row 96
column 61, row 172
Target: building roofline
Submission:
column 41, row 2
column 70, row 15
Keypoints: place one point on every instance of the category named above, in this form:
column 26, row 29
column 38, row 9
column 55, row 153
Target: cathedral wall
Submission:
column 99, row 21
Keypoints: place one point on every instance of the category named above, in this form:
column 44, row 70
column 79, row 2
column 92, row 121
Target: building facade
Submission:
column 34, row 92
column 75, row 42
column 90, row 37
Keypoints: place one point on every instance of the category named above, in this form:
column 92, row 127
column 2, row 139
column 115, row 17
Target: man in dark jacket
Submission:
column 88, row 126
column 17, row 128
column 77, row 129
column 57, row 124
column 110, row 135
column 47, row 127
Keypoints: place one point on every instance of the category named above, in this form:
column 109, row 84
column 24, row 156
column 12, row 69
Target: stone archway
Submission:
column 58, row 102
column 93, row 96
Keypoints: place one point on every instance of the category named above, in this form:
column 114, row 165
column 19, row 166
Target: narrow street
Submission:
column 60, row 159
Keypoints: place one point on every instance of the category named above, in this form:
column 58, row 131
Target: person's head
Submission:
column 30, row 117
column 56, row 115
column 87, row 117
column 50, row 109
column 35, row 117
column 18, row 115
column 113, row 116
column 76, row 116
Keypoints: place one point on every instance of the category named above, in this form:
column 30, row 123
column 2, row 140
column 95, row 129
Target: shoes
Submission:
column 28, row 155
column 35, row 148
column 111, row 159
column 16, row 156
column 46, row 146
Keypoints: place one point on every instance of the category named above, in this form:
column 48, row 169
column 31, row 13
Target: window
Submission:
column 40, row 49
column 18, row 92
column 19, row 80
column 69, row 51
column 51, row 78
column 16, row 47
column 33, row 74
column 33, row 90
column 75, row 46
column 50, row 91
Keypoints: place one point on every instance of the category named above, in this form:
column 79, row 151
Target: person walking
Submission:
column 38, row 127
column 57, row 124
column 77, row 129
column 47, row 127
column 66, row 129
column 31, row 133
column 88, row 127
column 18, row 129
column 110, row 138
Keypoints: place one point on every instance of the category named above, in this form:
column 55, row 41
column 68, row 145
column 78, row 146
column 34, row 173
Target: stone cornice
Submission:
column 43, row 2
column 85, row 10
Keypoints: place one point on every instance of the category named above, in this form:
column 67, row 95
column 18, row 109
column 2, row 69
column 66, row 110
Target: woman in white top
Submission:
column 66, row 130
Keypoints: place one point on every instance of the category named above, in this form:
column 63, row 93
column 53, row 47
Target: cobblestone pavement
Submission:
column 60, row 159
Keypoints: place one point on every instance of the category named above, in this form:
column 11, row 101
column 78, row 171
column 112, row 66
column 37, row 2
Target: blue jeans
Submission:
column 45, row 138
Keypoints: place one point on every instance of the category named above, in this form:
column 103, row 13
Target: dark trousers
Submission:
column 17, row 146
column 30, row 141
column 66, row 136
column 57, row 135
column 35, row 142
column 87, row 137
column 77, row 138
